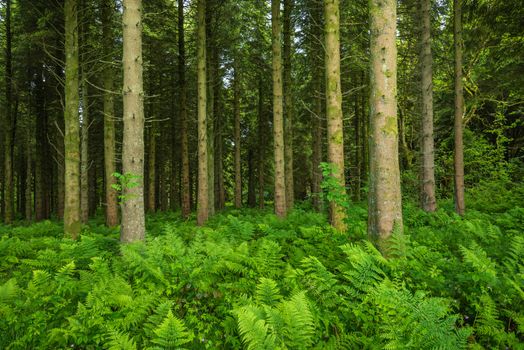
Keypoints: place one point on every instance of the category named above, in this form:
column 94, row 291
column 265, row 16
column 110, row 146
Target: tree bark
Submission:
column 84, row 155
column 460, row 205
column 8, row 135
column 151, row 192
column 203, row 192
column 262, row 125
column 236, row 109
column 334, row 106
column 72, row 223
column 111, row 209
column 385, row 208
column 278, row 125
column 133, row 218
column 185, row 187
column 429, row 202
column 288, row 102
column 210, row 98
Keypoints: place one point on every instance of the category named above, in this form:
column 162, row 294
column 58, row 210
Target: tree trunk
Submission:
column 72, row 223
column 262, row 125
column 278, row 125
column 84, row 155
column 8, row 135
column 236, row 109
column 203, row 192
column 288, row 102
column 429, row 202
column 334, row 107
column 251, row 195
column 29, row 178
column 151, row 192
column 358, row 143
column 210, row 116
column 111, row 209
column 185, row 187
column 385, row 209
column 220, row 193
column 133, row 218
column 460, row 205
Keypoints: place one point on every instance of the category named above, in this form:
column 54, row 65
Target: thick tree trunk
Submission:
column 429, row 202
column 385, row 209
column 262, row 125
column 288, row 102
column 236, row 112
column 8, row 135
column 460, row 205
column 203, row 192
column 111, row 209
column 334, row 106
column 185, row 187
column 278, row 125
column 72, row 223
column 133, row 218
column 84, row 155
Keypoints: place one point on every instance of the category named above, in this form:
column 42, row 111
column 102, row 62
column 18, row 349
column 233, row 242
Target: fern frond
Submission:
column 267, row 292
column 120, row 341
column 172, row 333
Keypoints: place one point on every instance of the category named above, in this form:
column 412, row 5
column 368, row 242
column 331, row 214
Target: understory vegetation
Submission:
column 251, row 280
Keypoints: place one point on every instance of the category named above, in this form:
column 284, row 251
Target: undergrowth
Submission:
column 250, row 280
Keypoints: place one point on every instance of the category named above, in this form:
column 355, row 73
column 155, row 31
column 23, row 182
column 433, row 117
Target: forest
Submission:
column 261, row 174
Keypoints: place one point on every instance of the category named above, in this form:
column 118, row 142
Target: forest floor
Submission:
column 250, row 280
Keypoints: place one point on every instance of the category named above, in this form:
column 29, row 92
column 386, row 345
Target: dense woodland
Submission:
column 284, row 174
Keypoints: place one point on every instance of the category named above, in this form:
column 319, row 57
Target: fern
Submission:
column 171, row 333
column 120, row 341
column 267, row 292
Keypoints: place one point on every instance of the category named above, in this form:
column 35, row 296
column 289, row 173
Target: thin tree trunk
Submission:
column 133, row 218
column 8, row 135
column 460, row 205
column 151, row 192
column 236, row 113
column 84, row 155
column 111, row 208
column 251, row 195
column 334, row 107
column 185, row 187
column 261, row 145
column 203, row 192
column 385, row 208
column 29, row 178
column 72, row 223
column 210, row 116
column 278, row 125
column 288, row 102
column 220, row 195
column 356, row 129
column 429, row 202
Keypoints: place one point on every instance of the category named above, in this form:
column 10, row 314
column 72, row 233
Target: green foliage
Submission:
column 251, row 280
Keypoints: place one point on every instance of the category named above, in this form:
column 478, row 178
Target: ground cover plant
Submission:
column 251, row 280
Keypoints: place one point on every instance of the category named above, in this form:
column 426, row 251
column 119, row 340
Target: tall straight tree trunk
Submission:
column 278, row 125
column 210, row 115
column 133, row 218
column 151, row 192
column 236, row 109
column 251, row 193
column 185, row 187
column 29, row 178
column 288, row 102
column 111, row 203
column 429, row 202
column 356, row 130
column 203, row 193
column 8, row 135
column 84, row 153
column 72, row 223
column 460, row 205
column 261, row 144
column 385, row 208
column 220, row 193
column 334, row 107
